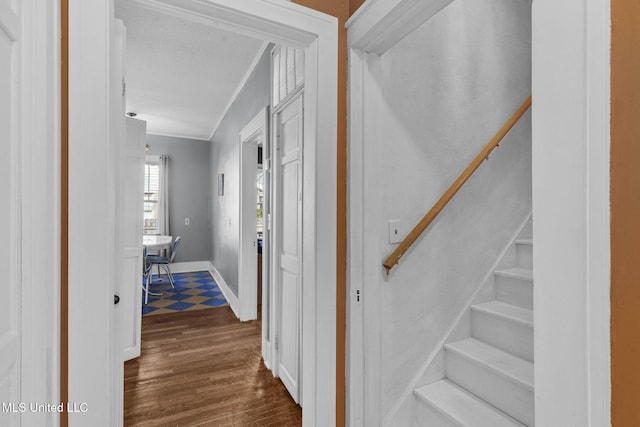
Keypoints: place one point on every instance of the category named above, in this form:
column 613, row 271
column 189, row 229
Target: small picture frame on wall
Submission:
column 221, row 184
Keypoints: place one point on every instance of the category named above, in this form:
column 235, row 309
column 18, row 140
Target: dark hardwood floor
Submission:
column 203, row 368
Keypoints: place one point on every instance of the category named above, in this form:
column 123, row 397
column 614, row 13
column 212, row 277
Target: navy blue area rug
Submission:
column 194, row 291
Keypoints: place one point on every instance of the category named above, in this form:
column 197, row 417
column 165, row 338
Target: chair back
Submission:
column 174, row 247
column 146, row 266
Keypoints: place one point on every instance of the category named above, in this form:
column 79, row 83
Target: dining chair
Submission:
column 164, row 262
column 146, row 273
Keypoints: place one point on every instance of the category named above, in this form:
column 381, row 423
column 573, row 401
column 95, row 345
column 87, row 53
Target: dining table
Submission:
column 154, row 242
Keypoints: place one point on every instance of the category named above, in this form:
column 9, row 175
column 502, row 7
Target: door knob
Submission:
column 116, row 299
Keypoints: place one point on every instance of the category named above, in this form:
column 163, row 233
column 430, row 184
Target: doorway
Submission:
column 281, row 23
column 277, row 242
column 253, row 139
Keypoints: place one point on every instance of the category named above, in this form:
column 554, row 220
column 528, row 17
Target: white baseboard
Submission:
column 231, row 298
column 188, row 267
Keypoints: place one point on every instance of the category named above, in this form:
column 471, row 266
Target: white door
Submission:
column 289, row 146
column 131, row 177
column 247, row 266
column 10, row 235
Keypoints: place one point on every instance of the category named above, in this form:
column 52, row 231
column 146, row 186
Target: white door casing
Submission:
column 131, row 177
column 115, row 195
column 89, row 332
column 10, row 224
column 267, row 246
column 289, row 284
column 571, row 126
column 252, row 135
column 29, row 132
column 95, row 120
column 38, row 38
column 114, row 162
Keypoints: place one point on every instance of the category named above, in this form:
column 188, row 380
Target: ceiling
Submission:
column 181, row 75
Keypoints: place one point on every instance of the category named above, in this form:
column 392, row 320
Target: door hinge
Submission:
column 356, row 295
column 276, row 344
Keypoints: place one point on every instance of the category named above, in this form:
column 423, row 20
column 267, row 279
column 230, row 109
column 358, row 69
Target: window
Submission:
column 287, row 65
column 151, row 197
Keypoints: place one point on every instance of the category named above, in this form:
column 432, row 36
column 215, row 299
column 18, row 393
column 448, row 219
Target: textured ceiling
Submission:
column 181, row 75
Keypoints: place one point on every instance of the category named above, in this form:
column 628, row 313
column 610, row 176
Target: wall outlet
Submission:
column 187, row 221
column 395, row 231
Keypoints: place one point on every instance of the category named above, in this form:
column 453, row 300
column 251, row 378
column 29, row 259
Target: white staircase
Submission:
column 489, row 375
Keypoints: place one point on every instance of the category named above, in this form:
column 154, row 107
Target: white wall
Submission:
column 445, row 90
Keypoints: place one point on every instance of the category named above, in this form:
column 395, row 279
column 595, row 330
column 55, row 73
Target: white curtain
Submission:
column 163, row 197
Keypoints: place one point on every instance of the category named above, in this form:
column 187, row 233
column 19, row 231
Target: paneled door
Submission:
column 10, row 227
column 289, row 152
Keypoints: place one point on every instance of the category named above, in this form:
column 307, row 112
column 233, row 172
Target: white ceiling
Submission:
column 181, row 75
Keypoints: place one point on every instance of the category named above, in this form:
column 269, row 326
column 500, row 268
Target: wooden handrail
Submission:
column 453, row 189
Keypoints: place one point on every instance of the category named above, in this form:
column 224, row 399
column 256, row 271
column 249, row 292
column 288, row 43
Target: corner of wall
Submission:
column 231, row 298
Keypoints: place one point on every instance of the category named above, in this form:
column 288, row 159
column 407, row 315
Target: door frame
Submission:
column 253, row 134
column 89, row 323
column 38, row 133
column 570, row 110
column 571, row 209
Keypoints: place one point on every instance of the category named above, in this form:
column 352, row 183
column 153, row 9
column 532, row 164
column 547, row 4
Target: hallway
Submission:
column 203, row 368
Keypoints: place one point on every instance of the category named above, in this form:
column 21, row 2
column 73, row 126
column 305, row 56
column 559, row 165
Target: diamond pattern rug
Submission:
column 194, row 291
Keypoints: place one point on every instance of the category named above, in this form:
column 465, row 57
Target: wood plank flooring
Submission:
column 203, row 368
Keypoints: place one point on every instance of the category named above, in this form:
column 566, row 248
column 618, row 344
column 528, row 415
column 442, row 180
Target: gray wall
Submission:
column 225, row 158
column 189, row 185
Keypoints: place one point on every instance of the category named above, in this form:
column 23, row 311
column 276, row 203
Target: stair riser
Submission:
column 524, row 255
column 527, row 230
column 514, row 291
column 426, row 415
column 508, row 396
column 505, row 334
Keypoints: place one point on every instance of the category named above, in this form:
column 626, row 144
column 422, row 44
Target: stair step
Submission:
column 507, row 311
column 504, row 326
column 507, row 365
column 516, row 273
column 524, row 253
column 515, row 286
column 499, row 378
column 525, row 241
column 461, row 407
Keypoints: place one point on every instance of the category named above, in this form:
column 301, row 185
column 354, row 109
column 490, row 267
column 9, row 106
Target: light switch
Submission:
column 187, row 221
column 395, row 231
